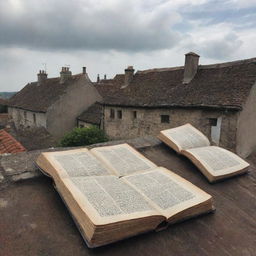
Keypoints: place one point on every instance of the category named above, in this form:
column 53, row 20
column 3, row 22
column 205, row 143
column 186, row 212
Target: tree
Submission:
column 83, row 136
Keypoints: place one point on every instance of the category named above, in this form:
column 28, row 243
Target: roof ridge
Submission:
column 216, row 65
column 229, row 63
column 159, row 69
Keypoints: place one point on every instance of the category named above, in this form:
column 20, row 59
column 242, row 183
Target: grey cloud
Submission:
column 221, row 48
column 81, row 25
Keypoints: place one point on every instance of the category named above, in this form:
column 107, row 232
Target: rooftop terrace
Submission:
column 34, row 220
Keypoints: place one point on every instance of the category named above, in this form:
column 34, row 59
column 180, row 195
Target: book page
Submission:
column 107, row 199
column 123, row 159
column 74, row 163
column 185, row 137
column 217, row 160
column 168, row 192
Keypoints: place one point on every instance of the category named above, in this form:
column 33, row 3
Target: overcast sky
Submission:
column 108, row 35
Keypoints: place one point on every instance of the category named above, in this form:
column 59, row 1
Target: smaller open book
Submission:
column 214, row 162
column 114, row 192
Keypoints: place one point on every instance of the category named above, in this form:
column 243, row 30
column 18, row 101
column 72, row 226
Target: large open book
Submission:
column 214, row 162
column 114, row 192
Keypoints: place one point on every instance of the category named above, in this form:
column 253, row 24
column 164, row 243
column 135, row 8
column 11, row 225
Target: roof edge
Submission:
column 13, row 106
column 199, row 106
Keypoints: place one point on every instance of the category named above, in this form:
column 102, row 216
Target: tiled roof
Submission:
column 108, row 87
column 38, row 97
column 8, row 144
column 92, row 115
column 225, row 85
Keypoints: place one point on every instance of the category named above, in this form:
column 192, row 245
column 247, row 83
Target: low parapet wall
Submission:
column 21, row 166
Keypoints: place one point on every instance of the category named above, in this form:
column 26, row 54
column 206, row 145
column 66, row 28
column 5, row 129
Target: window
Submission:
column 165, row 119
column 119, row 114
column 213, row 121
column 34, row 118
column 134, row 114
column 112, row 113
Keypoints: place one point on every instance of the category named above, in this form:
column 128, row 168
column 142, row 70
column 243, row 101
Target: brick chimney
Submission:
column 190, row 68
column 98, row 78
column 65, row 74
column 41, row 76
column 128, row 76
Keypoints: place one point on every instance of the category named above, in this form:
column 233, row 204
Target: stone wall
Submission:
column 137, row 122
column 62, row 115
column 246, row 136
column 27, row 119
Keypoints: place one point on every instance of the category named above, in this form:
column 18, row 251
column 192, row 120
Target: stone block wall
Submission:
column 27, row 119
column 135, row 122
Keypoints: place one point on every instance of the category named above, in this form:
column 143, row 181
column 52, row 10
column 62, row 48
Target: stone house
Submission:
column 94, row 114
column 219, row 99
column 53, row 103
column 91, row 116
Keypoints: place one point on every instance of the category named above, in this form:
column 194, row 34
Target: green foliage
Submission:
column 83, row 136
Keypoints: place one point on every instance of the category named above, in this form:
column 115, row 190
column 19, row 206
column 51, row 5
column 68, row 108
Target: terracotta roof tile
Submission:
column 8, row 144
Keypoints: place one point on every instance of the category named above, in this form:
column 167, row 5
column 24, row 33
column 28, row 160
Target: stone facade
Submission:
column 134, row 122
column 27, row 119
column 246, row 126
column 62, row 115
column 59, row 115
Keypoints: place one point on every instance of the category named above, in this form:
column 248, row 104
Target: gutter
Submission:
column 219, row 107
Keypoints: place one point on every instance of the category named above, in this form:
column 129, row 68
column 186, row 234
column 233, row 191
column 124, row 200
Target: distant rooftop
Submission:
column 38, row 97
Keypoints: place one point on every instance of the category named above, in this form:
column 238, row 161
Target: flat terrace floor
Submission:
column 34, row 220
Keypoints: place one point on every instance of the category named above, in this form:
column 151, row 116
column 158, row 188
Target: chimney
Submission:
column 128, row 75
column 65, row 74
column 98, row 78
column 41, row 76
column 190, row 68
column 105, row 77
column 84, row 70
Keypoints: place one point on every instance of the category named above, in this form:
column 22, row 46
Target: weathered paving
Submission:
column 35, row 222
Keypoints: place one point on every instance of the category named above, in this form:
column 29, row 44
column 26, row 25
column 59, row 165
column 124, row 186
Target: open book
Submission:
column 114, row 192
column 214, row 162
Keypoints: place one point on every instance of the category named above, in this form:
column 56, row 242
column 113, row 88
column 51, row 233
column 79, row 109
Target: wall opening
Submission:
column 112, row 113
column 34, row 118
column 119, row 114
column 165, row 119
column 134, row 114
column 215, row 124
